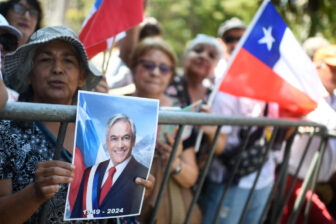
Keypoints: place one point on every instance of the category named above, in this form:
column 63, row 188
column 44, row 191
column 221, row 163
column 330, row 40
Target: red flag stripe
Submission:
column 256, row 80
column 111, row 18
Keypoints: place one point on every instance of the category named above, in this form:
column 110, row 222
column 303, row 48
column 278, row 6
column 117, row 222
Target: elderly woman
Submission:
column 153, row 66
column 200, row 59
column 48, row 69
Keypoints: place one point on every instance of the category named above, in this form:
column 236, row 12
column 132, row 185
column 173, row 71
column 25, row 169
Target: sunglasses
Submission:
column 9, row 42
column 151, row 65
column 21, row 10
column 231, row 39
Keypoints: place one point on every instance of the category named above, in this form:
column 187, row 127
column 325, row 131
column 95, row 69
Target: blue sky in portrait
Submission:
column 143, row 111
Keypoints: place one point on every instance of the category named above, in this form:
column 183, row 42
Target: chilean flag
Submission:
column 270, row 65
column 106, row 19
column 89, row 150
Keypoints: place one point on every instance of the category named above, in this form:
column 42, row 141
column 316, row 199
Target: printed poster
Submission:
column 114, row 143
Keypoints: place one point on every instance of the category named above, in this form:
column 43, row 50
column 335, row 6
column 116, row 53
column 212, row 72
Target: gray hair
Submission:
column 121, row 117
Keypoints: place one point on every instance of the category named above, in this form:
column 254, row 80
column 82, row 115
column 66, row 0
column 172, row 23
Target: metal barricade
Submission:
column 278, row 197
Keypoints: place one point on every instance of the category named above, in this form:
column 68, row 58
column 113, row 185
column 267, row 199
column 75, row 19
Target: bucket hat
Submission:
column 19, row 64
column 11, row 29
column 205, row 40
column 233, row 23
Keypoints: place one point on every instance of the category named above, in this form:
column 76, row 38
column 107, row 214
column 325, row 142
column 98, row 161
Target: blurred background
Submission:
column 183, row 19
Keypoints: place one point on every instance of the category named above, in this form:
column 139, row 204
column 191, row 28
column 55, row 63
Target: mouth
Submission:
column 119, row 152
column 24, row 25
column 56, row 83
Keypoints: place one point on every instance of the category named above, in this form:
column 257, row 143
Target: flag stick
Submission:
column 106, row 64
column 235, row 52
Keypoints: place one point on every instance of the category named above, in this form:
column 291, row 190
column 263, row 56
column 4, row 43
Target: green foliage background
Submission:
column 183, row 19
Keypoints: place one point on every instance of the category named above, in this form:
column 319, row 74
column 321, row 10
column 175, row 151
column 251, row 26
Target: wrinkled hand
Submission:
column 102, row 86
column 165, row 149
column 148, row 184
column 49, row 175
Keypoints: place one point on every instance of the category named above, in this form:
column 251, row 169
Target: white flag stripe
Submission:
column 294, row 66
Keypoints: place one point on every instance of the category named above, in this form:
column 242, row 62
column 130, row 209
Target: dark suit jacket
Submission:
column 125, row 194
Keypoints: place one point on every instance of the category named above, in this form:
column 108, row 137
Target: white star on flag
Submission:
column 267, row 39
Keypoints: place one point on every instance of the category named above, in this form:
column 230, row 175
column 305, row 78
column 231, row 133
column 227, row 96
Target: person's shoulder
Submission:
column 139, row 166
column 100, row 164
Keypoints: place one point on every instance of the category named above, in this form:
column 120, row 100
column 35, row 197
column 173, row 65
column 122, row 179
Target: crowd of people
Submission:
column 49, row 65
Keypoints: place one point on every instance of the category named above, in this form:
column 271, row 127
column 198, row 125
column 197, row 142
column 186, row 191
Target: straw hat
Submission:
column 19, row 64
column 326, row 54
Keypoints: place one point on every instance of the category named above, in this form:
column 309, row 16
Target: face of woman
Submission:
column 201, row 61
column 56, row 75
column 153, row 73
column 24, row 17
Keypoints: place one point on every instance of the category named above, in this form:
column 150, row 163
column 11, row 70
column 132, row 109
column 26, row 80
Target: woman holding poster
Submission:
column 153, row 64
column 48, row 69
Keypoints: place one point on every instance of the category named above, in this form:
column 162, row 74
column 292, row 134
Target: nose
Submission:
column 57, row 67
column 26, row 14
column 120, row 143
column 204, row 54
column 156, row 71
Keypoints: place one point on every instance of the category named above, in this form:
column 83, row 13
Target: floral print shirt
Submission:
column 21, row 148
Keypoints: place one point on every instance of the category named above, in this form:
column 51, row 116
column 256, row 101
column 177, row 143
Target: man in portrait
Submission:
column 108, row 188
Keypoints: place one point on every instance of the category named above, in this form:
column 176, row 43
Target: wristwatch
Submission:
column 178, row 168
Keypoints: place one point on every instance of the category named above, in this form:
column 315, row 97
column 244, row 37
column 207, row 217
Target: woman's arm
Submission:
column 184, row 159
column 3, row 94
column 18, row 207
column 210, row 132
column 188, row 174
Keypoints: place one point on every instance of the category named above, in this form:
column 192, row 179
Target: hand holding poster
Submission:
column 113, row 146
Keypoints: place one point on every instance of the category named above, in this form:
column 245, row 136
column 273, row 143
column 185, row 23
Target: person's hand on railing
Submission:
column 148, row 184
column 210, row 131
column 49, row 175
column 165, row 149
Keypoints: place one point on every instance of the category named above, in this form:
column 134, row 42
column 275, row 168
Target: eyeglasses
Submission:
column 9, row 42
column 231, row 39
column 21, row 9
column 151, row 65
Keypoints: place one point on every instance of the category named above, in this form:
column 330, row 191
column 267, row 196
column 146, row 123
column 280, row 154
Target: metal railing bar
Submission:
column 281, row 180
column 305, row 185
column 231, row 178
column 60, row 139
column 203, row 175
column 291, row 187
column 38, row 112
column 56, row 112
column 268, row 147
column 57, row 153
column 167, row 173
column 314, row 181
column 67, row 113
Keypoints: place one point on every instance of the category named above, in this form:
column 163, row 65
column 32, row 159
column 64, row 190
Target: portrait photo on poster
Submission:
column 114, row 144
